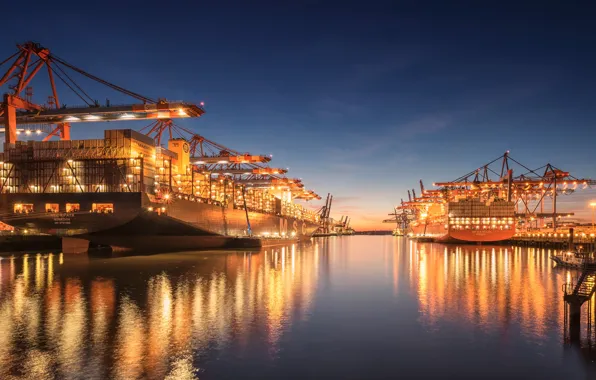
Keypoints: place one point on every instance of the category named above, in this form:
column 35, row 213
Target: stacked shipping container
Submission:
column 474, row 208
column 124, row 161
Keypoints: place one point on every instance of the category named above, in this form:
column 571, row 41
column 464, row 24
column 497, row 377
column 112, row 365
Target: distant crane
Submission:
column 324, row 213
column 342, row 226
column 402, row 218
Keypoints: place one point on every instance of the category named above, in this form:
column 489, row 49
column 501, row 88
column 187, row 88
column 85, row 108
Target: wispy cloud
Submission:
column 361, row 147
column 384, row 64
column 399, row 135
column 343, row 93
column 328, row 108
column 425, row 125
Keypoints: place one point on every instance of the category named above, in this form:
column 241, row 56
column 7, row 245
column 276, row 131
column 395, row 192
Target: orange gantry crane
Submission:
column 245, row 169
column 18, row 109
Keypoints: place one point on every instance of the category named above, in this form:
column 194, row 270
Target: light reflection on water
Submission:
column 339, row 307
column 489, row 286
column 72, row 323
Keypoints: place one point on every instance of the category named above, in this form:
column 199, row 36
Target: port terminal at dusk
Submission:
column 297, row 190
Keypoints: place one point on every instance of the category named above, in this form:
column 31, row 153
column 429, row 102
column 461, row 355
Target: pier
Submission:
column 585, row 241
column 559, row 240
column 575, row 295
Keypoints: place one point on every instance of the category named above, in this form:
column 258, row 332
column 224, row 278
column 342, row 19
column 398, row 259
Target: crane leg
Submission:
column 65, row 131
column 10, row 121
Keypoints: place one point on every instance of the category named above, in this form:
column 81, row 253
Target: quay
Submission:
column 374, row 232
column 23, row 243
column 586, row 242
column 555, row 240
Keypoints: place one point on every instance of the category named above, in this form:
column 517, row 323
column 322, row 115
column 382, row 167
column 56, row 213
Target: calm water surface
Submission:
column 360, row 307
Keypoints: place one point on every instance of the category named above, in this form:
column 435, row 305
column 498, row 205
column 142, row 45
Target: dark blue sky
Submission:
column 360, row 99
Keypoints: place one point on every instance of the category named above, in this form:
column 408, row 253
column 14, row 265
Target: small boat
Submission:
column 573, row 259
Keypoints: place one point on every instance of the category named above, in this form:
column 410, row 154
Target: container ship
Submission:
column 463, row 210
column 466, row 220
column 125, row 191
column 489, row 204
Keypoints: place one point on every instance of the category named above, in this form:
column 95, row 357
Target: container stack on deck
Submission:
column 127, row 161
column 473, row 213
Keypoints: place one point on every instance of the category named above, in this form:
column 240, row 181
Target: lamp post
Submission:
column 593, row 205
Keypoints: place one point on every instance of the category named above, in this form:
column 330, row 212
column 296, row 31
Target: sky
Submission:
column 359, row 99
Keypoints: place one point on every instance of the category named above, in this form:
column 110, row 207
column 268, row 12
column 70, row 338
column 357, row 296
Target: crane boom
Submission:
column 116, row 113
column 248, row 171
column 228, row 159
column 17, row 107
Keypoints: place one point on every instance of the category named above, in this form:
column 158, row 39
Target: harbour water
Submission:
column 357, row 307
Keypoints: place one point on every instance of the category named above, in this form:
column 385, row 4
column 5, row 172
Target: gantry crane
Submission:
column 341, row 227
column 245, row 169
column 325, row 215
column 18, row 108
column 402, row 216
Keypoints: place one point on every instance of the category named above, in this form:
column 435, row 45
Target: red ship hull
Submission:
column 438, row 232
column 482, row 236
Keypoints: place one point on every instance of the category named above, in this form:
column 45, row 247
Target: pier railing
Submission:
column 582, row 240
column 552, row 236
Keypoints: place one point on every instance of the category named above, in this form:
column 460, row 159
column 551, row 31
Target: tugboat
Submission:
column 572, row 259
